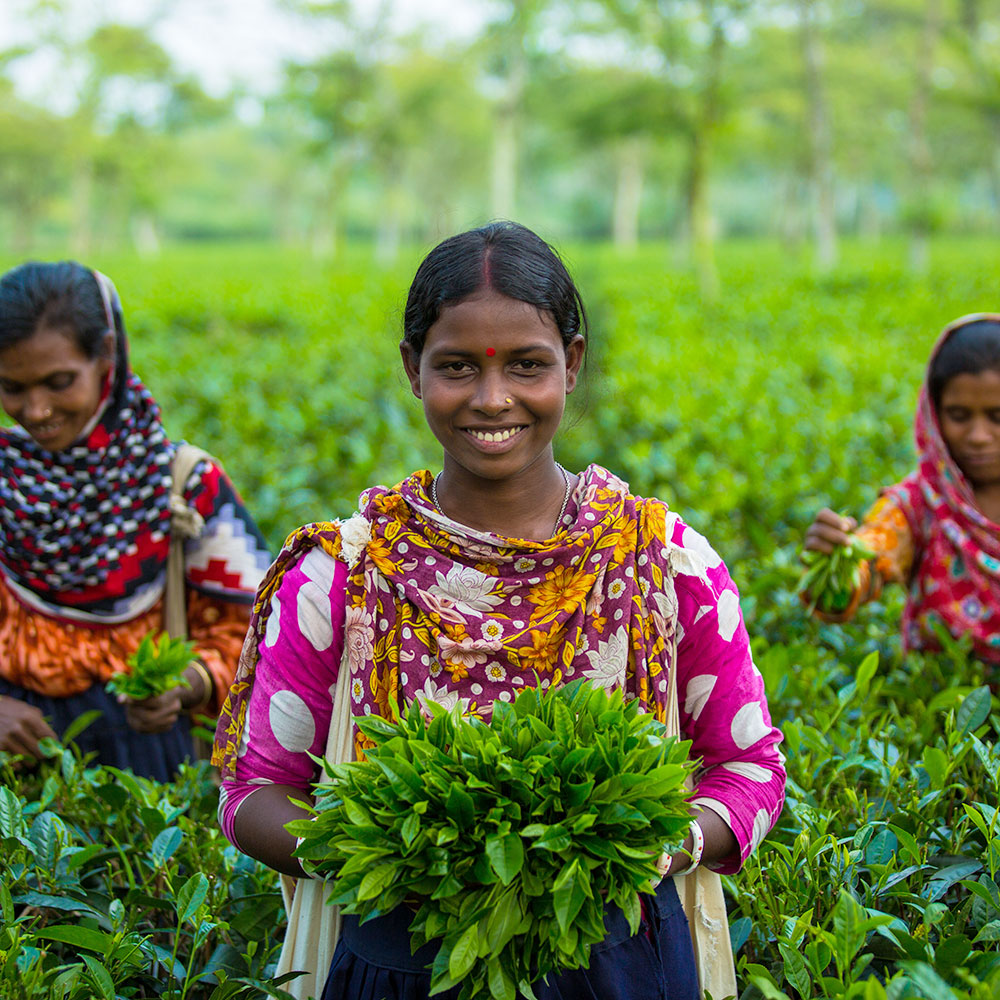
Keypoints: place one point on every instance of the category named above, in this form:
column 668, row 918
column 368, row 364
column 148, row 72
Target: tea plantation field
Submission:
column 793, row 391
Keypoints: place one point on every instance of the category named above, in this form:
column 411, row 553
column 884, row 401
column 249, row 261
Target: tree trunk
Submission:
column 503, row 189
column 994, row 169
column 789, row 213
column 824, row 211
column 506, row 136
column 700, row 218
column 921, row 165
column 628, row 193
column 706, row 115
column 24, row 218
column 145, row 237
column 390, row 223
column 326, row 225
column 81, row 195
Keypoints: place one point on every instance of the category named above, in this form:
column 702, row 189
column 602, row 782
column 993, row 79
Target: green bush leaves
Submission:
column 117, row 887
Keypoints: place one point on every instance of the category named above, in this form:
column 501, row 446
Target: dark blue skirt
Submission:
column 373, row 962
column 150, row 755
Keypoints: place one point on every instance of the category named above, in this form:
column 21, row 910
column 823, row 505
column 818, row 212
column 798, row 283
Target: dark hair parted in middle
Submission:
column 61, row 294
column 503, row 256
column 971, row 349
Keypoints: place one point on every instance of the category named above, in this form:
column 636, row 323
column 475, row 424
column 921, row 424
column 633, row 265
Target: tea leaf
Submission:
column 974, row 711
column 191, row 896
column 156, row 667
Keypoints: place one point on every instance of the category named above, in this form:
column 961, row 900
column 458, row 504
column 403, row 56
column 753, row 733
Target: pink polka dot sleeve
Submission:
column 288, row 714
column 723, row 707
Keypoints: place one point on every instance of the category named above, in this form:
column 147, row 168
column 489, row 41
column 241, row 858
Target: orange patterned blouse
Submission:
column 57, row 658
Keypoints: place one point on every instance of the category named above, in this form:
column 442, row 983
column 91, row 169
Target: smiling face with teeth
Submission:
column 50, row 386
column 493, row 376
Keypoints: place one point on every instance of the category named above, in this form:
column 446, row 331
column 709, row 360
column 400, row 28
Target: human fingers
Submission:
column 828, row 531
column 153, row 715
column 21, row 727
column 841, row 522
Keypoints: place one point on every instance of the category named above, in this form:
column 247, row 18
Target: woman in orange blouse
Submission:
column 938, row 531
column 85, row 515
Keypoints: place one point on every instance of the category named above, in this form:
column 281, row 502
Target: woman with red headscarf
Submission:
column 938, row 531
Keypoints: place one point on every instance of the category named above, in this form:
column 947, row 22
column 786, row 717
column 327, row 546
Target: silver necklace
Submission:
column 562, row 509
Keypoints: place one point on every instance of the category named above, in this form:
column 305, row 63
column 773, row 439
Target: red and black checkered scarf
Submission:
column 86, row 530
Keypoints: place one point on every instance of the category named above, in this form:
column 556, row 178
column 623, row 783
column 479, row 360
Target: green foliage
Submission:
column 880, row 880
column 832, row 578
column 792, row 393
column 509, row 838
column 157, row 667
column 115, row 887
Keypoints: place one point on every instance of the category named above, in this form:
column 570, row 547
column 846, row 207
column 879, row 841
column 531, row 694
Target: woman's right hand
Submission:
column 21, row 727
column 828, row 531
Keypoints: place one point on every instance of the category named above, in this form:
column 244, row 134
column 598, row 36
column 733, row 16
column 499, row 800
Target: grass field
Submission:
column 792, row 392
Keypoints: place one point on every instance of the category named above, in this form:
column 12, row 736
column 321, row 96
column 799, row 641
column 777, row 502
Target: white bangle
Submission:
column 697, row 848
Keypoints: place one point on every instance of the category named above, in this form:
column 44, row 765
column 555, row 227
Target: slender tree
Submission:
column 820, row 159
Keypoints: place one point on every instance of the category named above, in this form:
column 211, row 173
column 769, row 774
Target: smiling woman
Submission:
column 50, row 385
column 85, row 516
column 501, row 571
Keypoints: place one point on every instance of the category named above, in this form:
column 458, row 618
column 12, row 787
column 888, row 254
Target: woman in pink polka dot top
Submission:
column 463, row 586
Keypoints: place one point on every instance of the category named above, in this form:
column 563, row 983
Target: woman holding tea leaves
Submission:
column 85, row 522
column 465, row 586
column 938, row 531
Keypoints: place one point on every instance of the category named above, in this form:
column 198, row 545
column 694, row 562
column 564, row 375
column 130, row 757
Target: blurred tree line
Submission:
column 621, row 119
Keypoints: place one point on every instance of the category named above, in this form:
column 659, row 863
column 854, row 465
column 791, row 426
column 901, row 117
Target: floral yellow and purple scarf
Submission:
column 428, row 598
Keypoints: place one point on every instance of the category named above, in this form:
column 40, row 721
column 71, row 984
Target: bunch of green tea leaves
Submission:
column 831, row 578
column 157, row 666
column 506, row 839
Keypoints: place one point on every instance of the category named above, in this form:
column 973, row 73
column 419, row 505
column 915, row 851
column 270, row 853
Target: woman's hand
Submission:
column 21, row 727
column 160, row 713
column 720, row 842
column 828, row 531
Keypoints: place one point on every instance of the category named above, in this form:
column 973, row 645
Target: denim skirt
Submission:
column 373, row 961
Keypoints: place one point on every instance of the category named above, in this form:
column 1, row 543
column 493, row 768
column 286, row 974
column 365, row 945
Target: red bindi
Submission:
column 490, row 352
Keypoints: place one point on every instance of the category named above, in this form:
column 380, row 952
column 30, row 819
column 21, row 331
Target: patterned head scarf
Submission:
column 957, row 579
column 428, row 598
column 84, row 532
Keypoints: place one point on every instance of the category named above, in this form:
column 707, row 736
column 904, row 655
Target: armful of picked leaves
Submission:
column 507, row 839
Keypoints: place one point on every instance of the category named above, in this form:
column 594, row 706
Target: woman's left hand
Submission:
column 160, row 713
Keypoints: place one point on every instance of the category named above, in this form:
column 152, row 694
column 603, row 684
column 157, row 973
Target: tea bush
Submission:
column 113, row 886
column 881, row 878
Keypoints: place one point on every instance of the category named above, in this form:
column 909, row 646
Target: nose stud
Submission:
column 508, row 400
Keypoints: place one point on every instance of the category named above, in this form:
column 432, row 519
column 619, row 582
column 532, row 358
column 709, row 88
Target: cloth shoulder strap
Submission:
column 313, row 924
column 185, row 523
